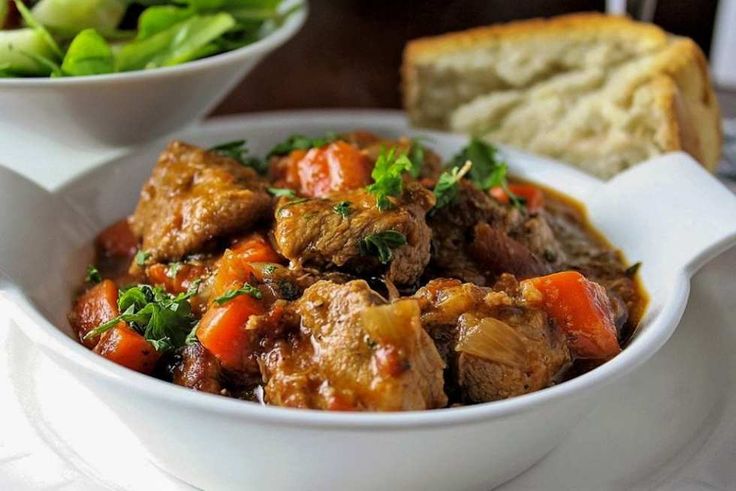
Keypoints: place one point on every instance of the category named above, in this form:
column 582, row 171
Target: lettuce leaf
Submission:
column 88, row 54
column 69, row 17
column 25, row 52
column 184, row 41
column 156, row 19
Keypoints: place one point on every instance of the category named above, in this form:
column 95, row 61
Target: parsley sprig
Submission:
column 163, row 319
column 238, row 150
column 446, row 189
column 381, row 244
column 246, row 289
column 301, row 142
column 387, row 177
column 93, row 275
column 342, row 208
column 489, row 169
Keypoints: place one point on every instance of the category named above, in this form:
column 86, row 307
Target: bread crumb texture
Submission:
column 600, row 92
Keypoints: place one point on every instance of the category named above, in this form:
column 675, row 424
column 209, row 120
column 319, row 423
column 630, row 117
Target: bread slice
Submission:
column 600, row 92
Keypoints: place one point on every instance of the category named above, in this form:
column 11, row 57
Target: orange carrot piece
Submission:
column 117, row 240
column 187, row 273
column 97, row 305
column 222, row 330
column 126, row 347
column 533, row 196
column 582, row 311
column 255, row 248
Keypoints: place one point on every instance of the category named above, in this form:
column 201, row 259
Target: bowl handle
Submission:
column 673, row 202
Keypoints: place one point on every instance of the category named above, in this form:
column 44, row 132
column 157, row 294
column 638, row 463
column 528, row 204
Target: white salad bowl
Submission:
column 57, row 120
column 668, row 213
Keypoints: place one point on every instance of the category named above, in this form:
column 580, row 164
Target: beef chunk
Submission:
column 475, row 239
column 312, row 233
column 352, row 351
column 198, row 370
column 495, row 346
column 194, row 196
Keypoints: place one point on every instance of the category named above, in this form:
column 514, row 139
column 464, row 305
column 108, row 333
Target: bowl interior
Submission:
column 48, row 271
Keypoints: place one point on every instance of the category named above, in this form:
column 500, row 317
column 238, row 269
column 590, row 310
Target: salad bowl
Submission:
column 70, row 118
column 217, row 443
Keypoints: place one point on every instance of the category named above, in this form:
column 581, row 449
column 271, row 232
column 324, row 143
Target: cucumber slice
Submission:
column 22, row 52
column 69, row 17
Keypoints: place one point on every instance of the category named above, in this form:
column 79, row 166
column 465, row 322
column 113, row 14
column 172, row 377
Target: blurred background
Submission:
column 349, row 52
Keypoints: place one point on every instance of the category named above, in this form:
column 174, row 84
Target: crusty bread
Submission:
column 601, row 92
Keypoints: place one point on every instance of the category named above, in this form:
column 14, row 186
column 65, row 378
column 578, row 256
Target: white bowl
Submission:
column 667, row 213
column 44, row 118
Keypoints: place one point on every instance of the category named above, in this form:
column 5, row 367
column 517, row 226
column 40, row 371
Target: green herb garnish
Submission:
column 247, row 289
column 269, row 269
column 446, row 189
column 172, row 269
column 163, row 319
column 279, row 192
column 93, row 275
column 238, row 150
column 381, row 244
column 387, row 177
column 342, row 208
column 301, row 142
column 632, row 270
column 416, row 156
column 142, row 257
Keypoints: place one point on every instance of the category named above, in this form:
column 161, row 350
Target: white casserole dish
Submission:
column 667, row 213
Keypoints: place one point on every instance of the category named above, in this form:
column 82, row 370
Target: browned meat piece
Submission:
column 312, row 233
column 198, row 370
column 476, row 238
column 498, row 253
column 194, row 196
column 352, row 351
column 495, row 346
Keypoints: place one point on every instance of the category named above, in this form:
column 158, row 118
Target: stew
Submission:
column 354, row 273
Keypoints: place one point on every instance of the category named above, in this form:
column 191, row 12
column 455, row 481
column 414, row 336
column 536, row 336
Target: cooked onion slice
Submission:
column 394, row 323
column 492, row 340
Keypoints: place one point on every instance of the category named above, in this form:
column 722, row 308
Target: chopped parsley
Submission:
column 381, row 244
column 489, row 169
column 246, row 289
column 93, row 275
column 632, row 270
column 416, row 156
column 163, row 319
column 173, row 269
column 342, row 208
column 387, row 177
column 238, row 150
column 301, row 142
column 269, row 269
column 278, row 192
column 446, row 189
column 142, row 257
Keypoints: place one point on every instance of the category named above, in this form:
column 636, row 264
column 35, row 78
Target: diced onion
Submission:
column 491, row 340
column 392, row 323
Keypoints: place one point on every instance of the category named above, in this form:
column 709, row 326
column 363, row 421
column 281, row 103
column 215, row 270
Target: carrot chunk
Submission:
column 97, row 305
column 255, row 248
column 582, row 311
column 126, row 347
column 222, row 330
column 182, row 279
column 533, row 196
column 117, row 240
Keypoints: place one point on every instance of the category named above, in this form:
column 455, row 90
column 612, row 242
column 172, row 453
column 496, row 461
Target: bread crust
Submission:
column 680, row 77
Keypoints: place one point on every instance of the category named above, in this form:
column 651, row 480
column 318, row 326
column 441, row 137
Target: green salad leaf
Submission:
column 88, row 54
column 183, row 41
column 26, row 52
column 69, row 17
column 159, row 18
column 387, row 177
